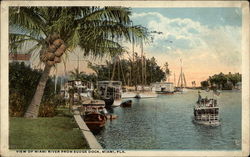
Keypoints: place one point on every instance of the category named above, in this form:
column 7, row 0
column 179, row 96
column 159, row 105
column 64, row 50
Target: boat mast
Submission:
column 174, row 80
column 142, row 74
column 182, row 79
column 181, row 74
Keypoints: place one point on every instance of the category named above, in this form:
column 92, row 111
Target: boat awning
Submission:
column 93, row 103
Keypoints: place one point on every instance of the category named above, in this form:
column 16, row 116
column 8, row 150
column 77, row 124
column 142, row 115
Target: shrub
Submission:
column 47, row 109
column 16, row 108
column 22, row 85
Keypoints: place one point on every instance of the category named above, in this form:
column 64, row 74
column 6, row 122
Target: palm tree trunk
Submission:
column 33, row 108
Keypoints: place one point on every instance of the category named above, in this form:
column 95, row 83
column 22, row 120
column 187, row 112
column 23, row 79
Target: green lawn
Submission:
column 59, row 132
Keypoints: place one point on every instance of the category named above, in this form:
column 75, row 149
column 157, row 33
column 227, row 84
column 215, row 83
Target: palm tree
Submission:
column 56, row 30
column 167, row 71
column 76, row 74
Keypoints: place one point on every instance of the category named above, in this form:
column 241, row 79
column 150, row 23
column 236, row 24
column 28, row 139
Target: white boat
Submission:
column 117, row 103
column 128, row 95
column 163, row 87
column 110, row 92
column 145, row 92
column 206, row 112
column 146, row 95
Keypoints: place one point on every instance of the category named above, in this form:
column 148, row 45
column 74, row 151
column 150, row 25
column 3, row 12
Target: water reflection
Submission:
column 166, row 123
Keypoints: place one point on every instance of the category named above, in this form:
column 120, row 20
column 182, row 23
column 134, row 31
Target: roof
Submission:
column 93, row 103
column 23, row 57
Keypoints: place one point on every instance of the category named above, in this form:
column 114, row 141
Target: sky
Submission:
column 207, row 40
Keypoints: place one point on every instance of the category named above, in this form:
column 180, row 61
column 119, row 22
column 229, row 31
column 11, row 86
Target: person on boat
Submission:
column 206, row 100
column 199, row 97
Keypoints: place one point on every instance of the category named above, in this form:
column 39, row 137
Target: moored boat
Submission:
column 95, row 120
column 145, row 92
column 81, row 89
column 146, row 95
column 206, row 112
column 163, row 87
column 128, row 94
column 94, row 114
column 127, row 103
column 110, row 92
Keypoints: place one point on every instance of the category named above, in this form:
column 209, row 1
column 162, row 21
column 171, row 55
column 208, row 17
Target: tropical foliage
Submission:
column 121, row 70
column 167, row 71
column 222, row 81
column 22, row 84
column 76, row 74
column 53, row 31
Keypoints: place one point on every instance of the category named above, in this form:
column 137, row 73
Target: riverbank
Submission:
column 59, row 132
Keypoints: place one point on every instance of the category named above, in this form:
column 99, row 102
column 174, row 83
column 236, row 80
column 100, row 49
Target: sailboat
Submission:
column 144, row 91
column 181, row 85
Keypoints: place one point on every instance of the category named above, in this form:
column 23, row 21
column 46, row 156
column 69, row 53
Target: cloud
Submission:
column 191, row 38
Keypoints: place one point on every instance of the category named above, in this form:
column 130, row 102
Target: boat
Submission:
column 163, row 87
column 128, row 92
column 110, row 92
column 145, row 92
column 82, row 89
column 127, row 103
column 95, row 120
column 128, row 95
column 206, row 111
column 94, row 114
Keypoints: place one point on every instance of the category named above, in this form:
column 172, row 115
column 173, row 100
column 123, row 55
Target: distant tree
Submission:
column 223, row 81
column 204, row 84
column 154, row 73
column 234, row 78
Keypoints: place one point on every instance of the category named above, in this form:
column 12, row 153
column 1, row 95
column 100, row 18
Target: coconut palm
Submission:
column 53, row 31
column 167, row 71
column 76, row 74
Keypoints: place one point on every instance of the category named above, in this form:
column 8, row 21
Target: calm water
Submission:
column 166, row 123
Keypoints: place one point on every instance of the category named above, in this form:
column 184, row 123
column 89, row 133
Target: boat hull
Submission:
column 128, row 95
column 94, row 120
column 117, row 103
column 127, row 103
column 146, row 95
column 207, row 123
column 112, row 103
column 165, row 93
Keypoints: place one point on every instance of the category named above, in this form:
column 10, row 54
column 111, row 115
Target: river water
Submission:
column 165, row 123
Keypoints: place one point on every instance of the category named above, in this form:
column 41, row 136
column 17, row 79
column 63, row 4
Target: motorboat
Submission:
column 94, row 113
column 206, row 111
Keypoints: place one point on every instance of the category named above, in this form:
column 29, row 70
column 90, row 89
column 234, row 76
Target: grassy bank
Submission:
column 60, row 132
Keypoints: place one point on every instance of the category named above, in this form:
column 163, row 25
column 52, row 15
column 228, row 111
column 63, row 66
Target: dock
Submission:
column 90, row 138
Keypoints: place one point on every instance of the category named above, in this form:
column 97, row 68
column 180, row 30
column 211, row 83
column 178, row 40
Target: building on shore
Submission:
column 18, row 57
